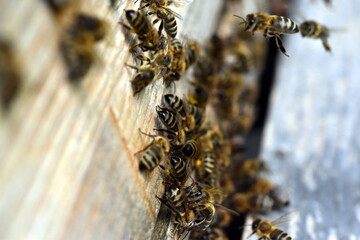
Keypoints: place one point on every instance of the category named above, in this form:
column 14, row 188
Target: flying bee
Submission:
column 77, row 44
column 153, row 153
column 252, row 202
column 313, row 29
column 269, row 231
column 149, row 37
column 270, row 26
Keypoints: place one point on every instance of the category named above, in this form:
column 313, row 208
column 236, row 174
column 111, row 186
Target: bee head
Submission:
column 250, row 22
column 255, row 224
column 306, row 28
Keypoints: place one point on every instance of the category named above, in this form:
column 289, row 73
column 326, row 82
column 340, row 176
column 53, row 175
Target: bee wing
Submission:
column 178, row 3
column 286, row 218
column 172, row 12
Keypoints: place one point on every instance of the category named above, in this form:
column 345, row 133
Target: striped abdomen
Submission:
column 168, row 118
column 138, row 21
column 150, row 158
column 177, row 47
column 278, row 234
column 178, row 167
column 197, row 113
column 170, row 25
column 209, row 165
column 175, row 196
column 175, row 103
column 282, row 24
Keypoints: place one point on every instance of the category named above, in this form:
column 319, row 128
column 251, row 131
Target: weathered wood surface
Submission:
column 66, row 151
column 312, row 135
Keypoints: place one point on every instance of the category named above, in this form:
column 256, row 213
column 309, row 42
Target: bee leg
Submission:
column 280, row 45
column 127, row 27
column 326, row 44
column 161, row 27
column 145, row 6
column 131, row 66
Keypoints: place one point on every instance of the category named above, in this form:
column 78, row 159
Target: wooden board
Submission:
column 66, row 151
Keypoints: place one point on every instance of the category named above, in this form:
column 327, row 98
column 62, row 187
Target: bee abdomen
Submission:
column 278, row 234
column 138, row 21
column 170, row 25
column 285, row 25
column 168, row 118
column 150, row 159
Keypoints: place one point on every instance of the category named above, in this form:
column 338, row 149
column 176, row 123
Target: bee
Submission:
column 312, row 29
column 175, row 103
column 178, row 170
column 10, row 80
column 175, row 200
column 77, row 44
column 172, row 121
column 276, row 193
column 268, row 230
column 165, row 15
column 250, row 168
column 207, row 169
column 144, row 76
column 190, row 149
column 178, row 63
column 270, row 26
column 154, row 153
column 149, row 37
column 252, row 202
column 193, row 49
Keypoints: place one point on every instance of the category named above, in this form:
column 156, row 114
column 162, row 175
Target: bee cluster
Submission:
column 199, row 142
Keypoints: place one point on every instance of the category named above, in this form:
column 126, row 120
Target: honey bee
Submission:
column 165, row 15
column 144, row 76
column 149, row 37
column 268, row 231
column 276, row 193
column 190, row 149
column 10, row 80
column 178, row 171
column 207, row 169
column 270, row 26
column 175, row 103
column 154, row 153
column 313, row 29
column 185, row 218
column 193, row 49
column 78, row 42
column 172, row 121
column 252, row 202
column 250, row 168
column 178, row 63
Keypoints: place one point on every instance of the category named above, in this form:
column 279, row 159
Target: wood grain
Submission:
column 66, row 151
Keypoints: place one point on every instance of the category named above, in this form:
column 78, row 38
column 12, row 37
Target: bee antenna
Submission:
column 251, row 234
column 244, row 226
column 243, row 20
